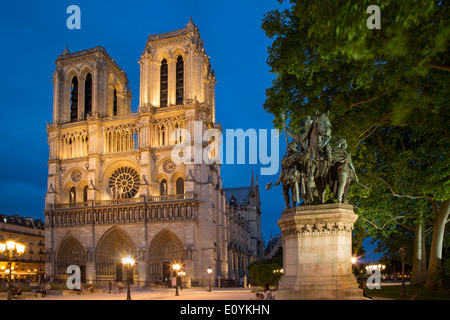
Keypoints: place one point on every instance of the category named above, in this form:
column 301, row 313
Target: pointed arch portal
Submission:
column 71, row 252
column 114, row 245
column 165, row 249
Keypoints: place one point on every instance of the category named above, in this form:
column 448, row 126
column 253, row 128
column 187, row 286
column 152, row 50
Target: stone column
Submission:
column 90, row 272
column 317, row 245
column 171, row 72
column 142, row 268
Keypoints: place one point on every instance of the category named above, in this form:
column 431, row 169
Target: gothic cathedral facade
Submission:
column 113, row 189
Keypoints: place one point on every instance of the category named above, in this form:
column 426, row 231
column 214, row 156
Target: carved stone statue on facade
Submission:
column 310, row 164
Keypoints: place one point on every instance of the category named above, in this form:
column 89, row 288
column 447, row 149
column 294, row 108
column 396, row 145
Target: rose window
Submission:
column 169, row 166
column 76, row 175
column 124, row 183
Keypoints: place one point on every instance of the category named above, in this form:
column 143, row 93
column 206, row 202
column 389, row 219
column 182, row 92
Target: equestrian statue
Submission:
column 310, row 164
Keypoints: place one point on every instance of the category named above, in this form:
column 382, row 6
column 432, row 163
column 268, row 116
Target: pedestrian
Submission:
column 267, row 293
column 81, row 290
column 18, row 290
column 42, row 290
column 110, row 286
column 259, row 296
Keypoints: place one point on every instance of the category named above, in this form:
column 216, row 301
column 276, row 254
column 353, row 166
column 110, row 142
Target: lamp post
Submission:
column 177, row 268
column 129, row 263
column 11, row 250
column 209, row 279
column 353, row 260
column 180, row 275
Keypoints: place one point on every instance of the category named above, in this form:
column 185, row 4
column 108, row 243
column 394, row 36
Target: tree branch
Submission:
column 439, row 66
column 354, row 104
column 376, row 225
column 374, row 126
column 399, row 195
column 334, row 98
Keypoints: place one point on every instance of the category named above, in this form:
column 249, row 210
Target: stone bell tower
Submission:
column 86, row 83
column 175, row 70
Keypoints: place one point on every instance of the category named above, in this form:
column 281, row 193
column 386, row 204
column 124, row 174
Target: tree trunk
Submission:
column 419, row 270
column 423, row 261
column 434, row 277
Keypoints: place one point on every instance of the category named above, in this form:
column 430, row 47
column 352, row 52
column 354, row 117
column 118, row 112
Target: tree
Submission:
column 387, row 91
column 267, row 271
column 262, row 273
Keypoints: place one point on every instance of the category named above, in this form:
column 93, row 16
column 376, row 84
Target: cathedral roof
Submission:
column 240, row 194
column 190, row 27
column 68, row 58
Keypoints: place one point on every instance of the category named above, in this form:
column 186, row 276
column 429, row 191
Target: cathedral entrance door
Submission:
column 119, row 271
column 166, row 271
column 165, row 250
column 83, row 273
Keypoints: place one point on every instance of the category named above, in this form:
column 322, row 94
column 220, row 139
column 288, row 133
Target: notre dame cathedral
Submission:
column 113, row 189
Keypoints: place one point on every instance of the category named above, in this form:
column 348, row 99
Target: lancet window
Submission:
column 164, row 83
column 179, row 80
column 88, row 95
column 180, row 186
column 115, row 103
column 72, row 195
column 74, row 100
column 163, row 188
column 85, row 194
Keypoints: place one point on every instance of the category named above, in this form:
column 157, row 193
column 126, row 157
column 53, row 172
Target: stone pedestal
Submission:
column 317, row 252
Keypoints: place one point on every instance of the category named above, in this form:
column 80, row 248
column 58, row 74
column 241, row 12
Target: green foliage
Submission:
column 412, row 293
column 58, row 286
column 263, row 273
column 387, row 93
column 22, row 287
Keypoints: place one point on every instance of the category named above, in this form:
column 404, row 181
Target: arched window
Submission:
column 85, row 194
column 87, row 95
column 180, row 186
column 115, row 103
column 164, row 83
column 74, row 100
column 179, row 80
column 163, row 188
column 72, row 195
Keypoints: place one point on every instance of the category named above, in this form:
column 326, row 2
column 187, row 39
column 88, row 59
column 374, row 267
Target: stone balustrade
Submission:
column 154, row 208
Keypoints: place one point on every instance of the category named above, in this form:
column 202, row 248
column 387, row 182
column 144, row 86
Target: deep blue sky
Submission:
column 34, row 33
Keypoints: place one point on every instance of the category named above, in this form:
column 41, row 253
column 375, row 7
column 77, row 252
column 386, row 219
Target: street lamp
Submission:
column 11, row 250
column 177, row 268
column 209, row 279
column 128, row 261
column 353, row 260
column 180, row 275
